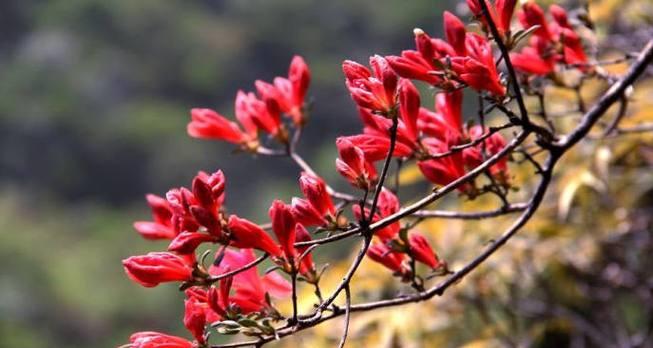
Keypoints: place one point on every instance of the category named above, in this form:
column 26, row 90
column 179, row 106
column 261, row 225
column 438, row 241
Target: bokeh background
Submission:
column 94, row 100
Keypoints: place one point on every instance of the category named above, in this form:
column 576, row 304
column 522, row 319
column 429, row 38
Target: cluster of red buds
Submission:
column 229, row 295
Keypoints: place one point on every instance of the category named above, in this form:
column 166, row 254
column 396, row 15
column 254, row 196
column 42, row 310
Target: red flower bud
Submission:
column 411, row 65
column 187, row 242
column 392, row 260
column 505, row 10
column 208, row 124
column 352, row 164
column 306, row 265
column 151, row 339
column 305, row 214
column 422, row 251
column 161, row 227
column 314, row 189
column 409, row 103
column 532, row 15
column 195, row 319
column 283, row 226
column 454, row 30
column 246, row 234
column 219, row 299
column 376, row 147
column 300, row 77
column 157, row 267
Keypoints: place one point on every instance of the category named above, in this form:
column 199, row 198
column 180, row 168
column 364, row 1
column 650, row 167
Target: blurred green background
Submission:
column 94, row 99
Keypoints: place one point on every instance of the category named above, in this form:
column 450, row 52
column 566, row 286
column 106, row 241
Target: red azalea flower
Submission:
column 306, row 265
column 473, row 156
column 151, row 339
column 376, row 147
column 352, row 164
column 195, row 318
column 187, row 242
column 315, row 191
column 246, row 234
column 409, row 103
column 501, row 13
column 421, row 250
column 478, row 69
column 387, row 205
column 443, row 170
column 283, row 226
column 157, row 267
column 208, row 124
column 392, row 260
column 374, row 89
column 161, row 227
column 454, row 30
column 248, row 288
column 305, row 213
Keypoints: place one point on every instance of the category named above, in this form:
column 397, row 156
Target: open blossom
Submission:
column 157, row 267
column 246, row 234
column 553, row 41
column 196, row 213
column 152, row 339
column 478, row 68
column 248, row 288
column 161, row 227
column 288, row 94
column 374, row 90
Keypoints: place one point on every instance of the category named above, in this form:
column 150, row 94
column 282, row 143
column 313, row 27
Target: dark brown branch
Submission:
column 347, row 317
column 214, row 279
column 443, row 214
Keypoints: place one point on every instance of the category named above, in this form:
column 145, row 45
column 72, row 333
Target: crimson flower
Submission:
column 157, row 267
column 421, row 250
column 152, row 339
column 306, row 214
column 195, row 318
column 353, row 166
column 374, row 90
column 501, row 13
column 306, row 265
column 381, row 253
column 495, row 143
column 315, row 191
column 208, row 124
column 442, row 170
column 288, row 94
column 248, row 287
column 478, row 68
column 161, row 227
column 246, row 234
column 283, row 226
column 387, row 205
